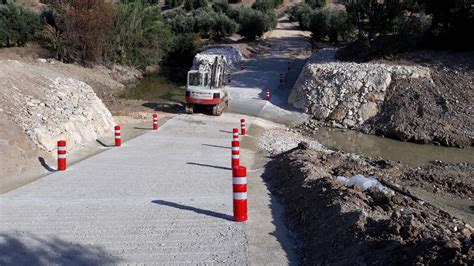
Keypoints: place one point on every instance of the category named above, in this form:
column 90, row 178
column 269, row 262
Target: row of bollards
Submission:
column 62, row 165
column 239, row 176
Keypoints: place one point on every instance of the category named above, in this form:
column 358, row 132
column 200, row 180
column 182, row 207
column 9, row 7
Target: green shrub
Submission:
column 302, row 13
column 221, row 6
column 184, row 48
column 194, row 4
column 316, row 3
column 173, row 3
column 140, row 37
column 329, row 23
column 253, row 23
column 17, row 25
column 263, row 5
column 179, row 22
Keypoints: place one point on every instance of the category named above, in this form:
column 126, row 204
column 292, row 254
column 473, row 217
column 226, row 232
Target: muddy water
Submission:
column 156, row 87
column 411, row 153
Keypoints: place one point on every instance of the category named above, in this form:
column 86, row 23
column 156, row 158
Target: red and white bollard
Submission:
column 61, row 155
column 281, row 78
column 267, row 95
column 118, row 137
column 239, row 187
column 235, row 134
column 242, row 127
column 155, row 122
column 242, row 65
column 289, row 65
column 235, row 153
column 229, row 80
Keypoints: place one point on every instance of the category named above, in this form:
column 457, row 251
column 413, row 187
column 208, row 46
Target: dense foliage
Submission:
column 253, row 23
column 378, row 28
column 17, row 25
column 194, row 4
column 132, row 32
column 139, row 36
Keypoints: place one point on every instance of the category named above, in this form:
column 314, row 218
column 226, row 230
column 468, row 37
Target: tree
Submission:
column 18, row 25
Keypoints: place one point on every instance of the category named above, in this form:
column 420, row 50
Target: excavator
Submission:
column 205, row 86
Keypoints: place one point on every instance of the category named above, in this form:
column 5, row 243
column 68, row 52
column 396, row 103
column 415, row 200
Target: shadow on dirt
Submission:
column 45, row 165
column 29, row 249
column 174, row 108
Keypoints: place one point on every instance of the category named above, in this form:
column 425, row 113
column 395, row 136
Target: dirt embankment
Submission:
column 439, row 112
column 344, row 225
column 422, row 97
column 43, row 100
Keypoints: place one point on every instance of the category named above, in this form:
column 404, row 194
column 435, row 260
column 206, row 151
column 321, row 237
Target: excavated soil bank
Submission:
column 344, row 225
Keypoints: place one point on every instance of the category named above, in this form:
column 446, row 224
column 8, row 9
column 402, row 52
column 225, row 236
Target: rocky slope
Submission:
column 44, row 105
column 407, row 102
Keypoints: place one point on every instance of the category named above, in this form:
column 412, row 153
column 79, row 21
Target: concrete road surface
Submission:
column 164, row 197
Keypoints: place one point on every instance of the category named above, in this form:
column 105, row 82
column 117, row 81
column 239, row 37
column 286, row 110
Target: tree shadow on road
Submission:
column 194, row 209
column 29, row 249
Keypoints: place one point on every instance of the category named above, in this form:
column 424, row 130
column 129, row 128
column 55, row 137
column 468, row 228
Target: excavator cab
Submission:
column 197, row 79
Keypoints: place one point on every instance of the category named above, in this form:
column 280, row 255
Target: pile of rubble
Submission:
column 346, row 93
column 47, row 106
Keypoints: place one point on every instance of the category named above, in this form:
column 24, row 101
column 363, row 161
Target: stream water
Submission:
column 411, row 153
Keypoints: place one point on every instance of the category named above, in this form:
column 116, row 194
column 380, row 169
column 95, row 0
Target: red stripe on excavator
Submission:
column 202, row 101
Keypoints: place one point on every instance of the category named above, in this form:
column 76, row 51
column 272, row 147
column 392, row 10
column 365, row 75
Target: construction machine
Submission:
column 205, row 85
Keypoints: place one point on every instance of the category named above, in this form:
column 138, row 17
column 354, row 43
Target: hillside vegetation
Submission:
column 379, row 28
column 135, row 33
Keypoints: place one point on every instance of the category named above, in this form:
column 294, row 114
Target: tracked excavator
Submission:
column 206, row 86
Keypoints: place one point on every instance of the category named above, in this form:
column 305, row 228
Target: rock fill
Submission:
column 346, row 93
column 48, row 106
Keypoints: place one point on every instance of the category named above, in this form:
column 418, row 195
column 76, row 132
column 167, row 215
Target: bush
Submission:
column 210, row 24
column 81, row 30
column 254, row 23
column 179, row 22
column 221, row 6
column 17, row 25
column 194, row 4
column 333, row 24
column 140, row 37
column 184, row 48
column 452, row 22
column 302, row 13
column 263, row 5
column 173, row 3
column 316, row 3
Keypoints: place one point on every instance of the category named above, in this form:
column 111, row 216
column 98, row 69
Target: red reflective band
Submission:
column 235, row 160
column 118, row 140
column 239, row 187
column 155, row 121
column 61, row 155
column 202, row 101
